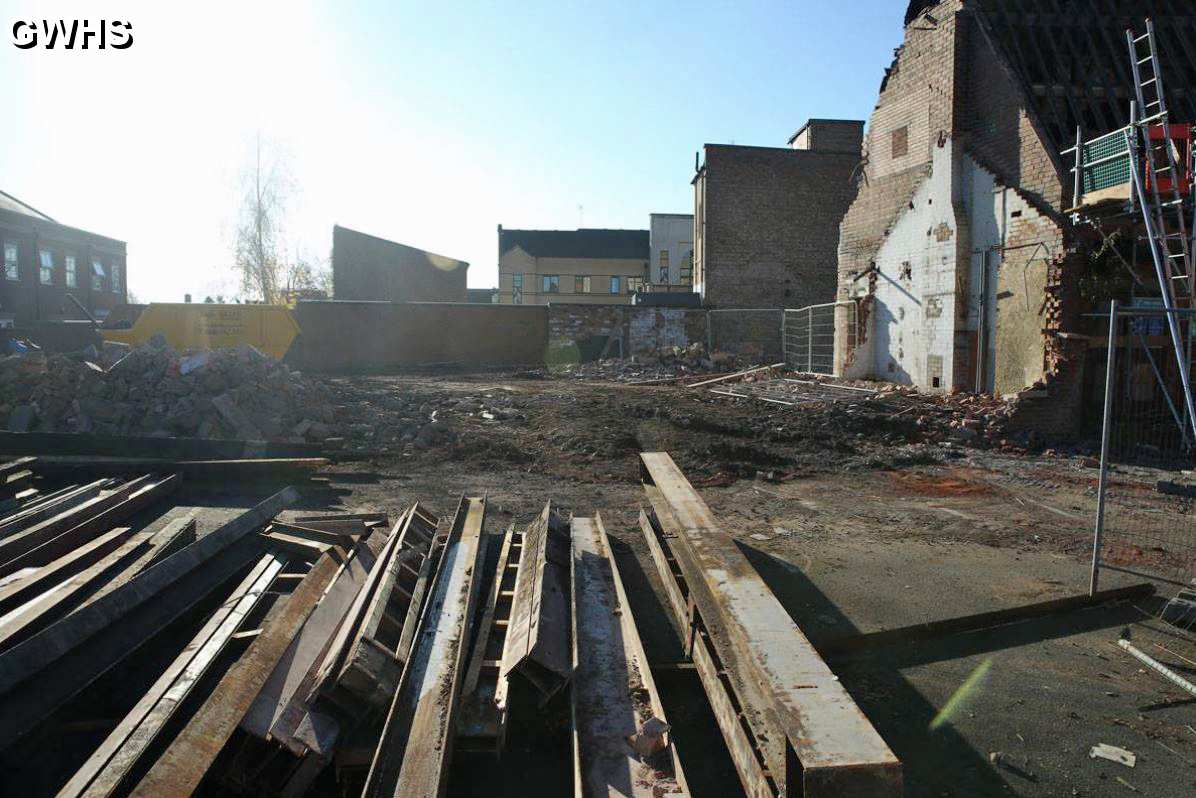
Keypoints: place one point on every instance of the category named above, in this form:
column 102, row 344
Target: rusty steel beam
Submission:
column 743, row 729
column 183, row 765
column 44, row 671
column 417, row 738
column 107, row 769
column 621, row 743
column 537, row 645
column 831, row 749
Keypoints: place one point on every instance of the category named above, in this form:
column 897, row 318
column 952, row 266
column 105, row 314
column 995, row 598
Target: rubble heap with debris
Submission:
column 670, row 362
column 154, row 390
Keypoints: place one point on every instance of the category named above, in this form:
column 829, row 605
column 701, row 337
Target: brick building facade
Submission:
column 766, row 219
column 957, row 245
column 365, row 267
column 44, row 263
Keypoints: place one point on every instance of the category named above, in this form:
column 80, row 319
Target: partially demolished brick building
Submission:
column 958, row 247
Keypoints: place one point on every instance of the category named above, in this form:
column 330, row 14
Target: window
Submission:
column 581, row 285
column 71, row 282
column 635, row 284
column 615, row 285
column 550, row 284
column 12, row 270
column 516, row 289
column 901, row 141
column 97, row 270
column 47, row 266
column 116, row 277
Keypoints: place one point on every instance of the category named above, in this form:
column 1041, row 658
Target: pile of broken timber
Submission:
column 339, row 654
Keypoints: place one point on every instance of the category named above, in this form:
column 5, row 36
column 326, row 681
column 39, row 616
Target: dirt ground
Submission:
column 858, row 524
column 861, row 515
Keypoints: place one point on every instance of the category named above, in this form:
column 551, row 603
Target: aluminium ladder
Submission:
column 1167, row 230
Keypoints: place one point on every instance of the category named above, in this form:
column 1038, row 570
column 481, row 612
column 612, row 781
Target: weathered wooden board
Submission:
column 613, row 695
column 417, row 738
column 835, row 749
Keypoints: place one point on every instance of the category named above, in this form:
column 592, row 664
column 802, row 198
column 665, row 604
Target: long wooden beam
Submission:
column 93, row 582
column 614, row 698
column 748, row 733
column 107, row 768
column 75, row 650
column 417, row 738
column 196, row 470
column 61, row 545
column 51, row 505
column 28, row 538
column 831, row 747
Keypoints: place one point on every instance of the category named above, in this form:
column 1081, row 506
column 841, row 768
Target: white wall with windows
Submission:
column 671, row 247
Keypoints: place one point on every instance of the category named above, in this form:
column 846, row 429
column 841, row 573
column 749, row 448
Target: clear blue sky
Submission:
column 426, row 123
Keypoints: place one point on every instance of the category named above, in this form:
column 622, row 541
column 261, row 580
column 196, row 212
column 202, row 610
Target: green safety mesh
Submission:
column 1113, row 172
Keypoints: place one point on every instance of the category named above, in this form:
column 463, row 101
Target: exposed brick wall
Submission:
column 831, row 135
column 582, row 331
column 771, row 225
column 999, row 130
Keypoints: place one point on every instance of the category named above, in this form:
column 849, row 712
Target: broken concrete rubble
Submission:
column 153, row 390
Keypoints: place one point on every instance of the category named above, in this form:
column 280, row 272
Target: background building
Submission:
column 671, row 244
column 44, row 263
column 365, row 267
column 766, row 219
column 587, row 266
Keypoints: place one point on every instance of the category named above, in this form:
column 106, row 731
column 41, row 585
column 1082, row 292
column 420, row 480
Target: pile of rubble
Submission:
column 155, row 391
column 667, row 363
column 976, row 419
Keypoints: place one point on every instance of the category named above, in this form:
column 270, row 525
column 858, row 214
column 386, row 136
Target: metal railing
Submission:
column 809, row 335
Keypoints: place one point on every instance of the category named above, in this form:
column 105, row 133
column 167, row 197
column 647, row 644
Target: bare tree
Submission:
column 266, row 190
column 305, row 275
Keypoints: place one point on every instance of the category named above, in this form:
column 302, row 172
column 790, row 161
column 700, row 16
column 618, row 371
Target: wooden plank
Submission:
column 62, row 569
column 613, row 694
column 106, row 769
column 181, row 767
column 197, row 470
column 480, row 721
column 29, row 538
column 68, row 644
column 301, row 546
column 537, row 646
column 145, row 495
column 19, row 464
column 369, row 664
column 835, row 750
column 417, row 738
column 737, row 375
column 368, row 518
column 281, row 706
column 730, row 711
column 95, row 445
column 89, row 585
column 51, row 505
column 331, row 537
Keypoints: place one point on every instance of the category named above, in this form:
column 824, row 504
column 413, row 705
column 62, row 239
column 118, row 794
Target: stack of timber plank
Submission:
column 293, row 654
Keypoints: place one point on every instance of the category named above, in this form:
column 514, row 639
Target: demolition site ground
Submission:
column 861, row 515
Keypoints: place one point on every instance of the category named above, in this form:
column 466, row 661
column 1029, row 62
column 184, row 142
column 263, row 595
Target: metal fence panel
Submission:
column 809, row 335
column 1146, row 524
